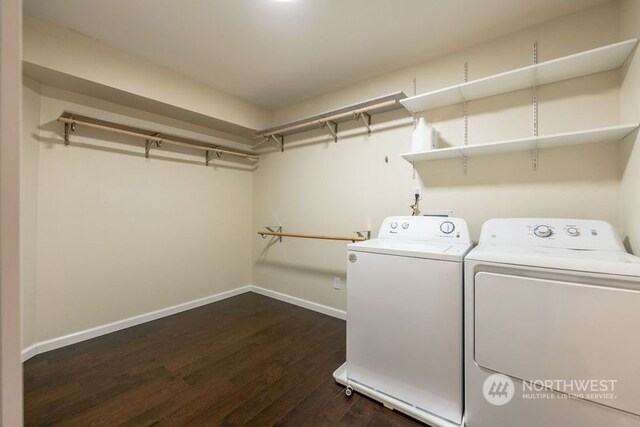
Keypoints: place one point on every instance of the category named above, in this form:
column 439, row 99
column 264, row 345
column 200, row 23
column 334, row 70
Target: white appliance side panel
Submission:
column 404, row 330
column 537, row 329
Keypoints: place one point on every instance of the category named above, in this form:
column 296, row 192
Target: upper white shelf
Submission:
column 590, row 136
column 580, row 64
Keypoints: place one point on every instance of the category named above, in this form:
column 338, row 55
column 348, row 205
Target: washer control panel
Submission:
column 425, row 228
column 552, row 232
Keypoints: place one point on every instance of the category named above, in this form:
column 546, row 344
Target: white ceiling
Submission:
column 276, row 53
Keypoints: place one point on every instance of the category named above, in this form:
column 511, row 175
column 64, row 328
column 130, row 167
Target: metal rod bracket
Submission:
column 332, row 127
column 147, row 147
column 279, row 139
column 366, row 118
column 68, row 128
column 274, row 229
column 365, row 234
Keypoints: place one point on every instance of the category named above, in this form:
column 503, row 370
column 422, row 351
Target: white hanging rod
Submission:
column 72, row 120
column 276, row 231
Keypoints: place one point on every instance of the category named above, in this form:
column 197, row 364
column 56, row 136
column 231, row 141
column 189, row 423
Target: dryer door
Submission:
column 563, row 332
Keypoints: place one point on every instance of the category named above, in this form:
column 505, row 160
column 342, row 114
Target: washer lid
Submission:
column 606, row 262
column 412, row 248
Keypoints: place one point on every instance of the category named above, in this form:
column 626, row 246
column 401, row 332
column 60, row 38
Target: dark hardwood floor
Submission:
column 245, row 360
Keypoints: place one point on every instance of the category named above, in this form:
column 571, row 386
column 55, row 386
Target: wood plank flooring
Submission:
column 247, row 360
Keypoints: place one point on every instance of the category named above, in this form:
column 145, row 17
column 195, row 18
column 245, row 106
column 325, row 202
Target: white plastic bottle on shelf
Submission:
column 423, row 137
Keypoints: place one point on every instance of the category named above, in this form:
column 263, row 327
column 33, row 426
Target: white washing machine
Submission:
column 405, row 316
column 552, row 306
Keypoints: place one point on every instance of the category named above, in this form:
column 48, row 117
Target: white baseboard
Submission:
column 29, row 352
column 87, row 334
column 324, row 309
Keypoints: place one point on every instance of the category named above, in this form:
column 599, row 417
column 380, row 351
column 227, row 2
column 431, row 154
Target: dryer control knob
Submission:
column 542, row 231
column 447, row 227
column 573, row 231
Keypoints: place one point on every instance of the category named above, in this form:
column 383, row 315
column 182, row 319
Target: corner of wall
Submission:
column 629, row 13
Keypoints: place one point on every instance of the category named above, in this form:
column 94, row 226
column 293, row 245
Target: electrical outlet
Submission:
column 337, row 283
column 417, row 190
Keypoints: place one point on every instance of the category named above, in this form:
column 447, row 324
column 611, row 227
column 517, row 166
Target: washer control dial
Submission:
column 573, row 231
column 394, row 225
column 405, row 225
column 542, row 231
column 447, row 227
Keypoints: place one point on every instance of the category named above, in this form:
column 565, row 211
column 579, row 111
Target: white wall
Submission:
column 324, row 187
column 119, row 235
column 29, row 206
column 630, row 111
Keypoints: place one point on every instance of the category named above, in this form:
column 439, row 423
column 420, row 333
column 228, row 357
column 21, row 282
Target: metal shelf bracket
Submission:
column 280, row 141
column 149, row 142
column 465, row 164
column 68, row 128
column 366, row 118
column 534, row 159
column 332, row 127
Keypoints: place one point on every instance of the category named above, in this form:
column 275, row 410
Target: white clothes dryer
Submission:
column 552, row 311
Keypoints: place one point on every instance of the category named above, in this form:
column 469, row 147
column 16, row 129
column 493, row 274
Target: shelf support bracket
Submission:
column 147, row 147
column 366, row 118
column 534, row 160
column 279, row 141
column 274, row 229
column 365, row 234
column 206, row 158
column 68, row 128
column 332, row 127
column 464, row 163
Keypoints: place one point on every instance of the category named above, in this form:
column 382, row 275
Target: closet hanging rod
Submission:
column 360, row 237
column 351, row 112
column 355, row 114
column 159, row 138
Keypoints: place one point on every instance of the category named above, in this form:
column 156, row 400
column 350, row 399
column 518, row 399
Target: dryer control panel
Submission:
column 425, row 229
column 552, row 232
